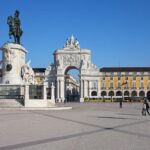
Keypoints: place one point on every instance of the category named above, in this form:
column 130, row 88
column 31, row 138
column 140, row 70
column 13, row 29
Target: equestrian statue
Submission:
column 14, row 27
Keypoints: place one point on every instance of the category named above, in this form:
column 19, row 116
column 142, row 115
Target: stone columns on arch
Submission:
column 85, row 88
column 88, row 88
column 53, row 93
column 58, row 87
column 62, row 90
column 81, row 91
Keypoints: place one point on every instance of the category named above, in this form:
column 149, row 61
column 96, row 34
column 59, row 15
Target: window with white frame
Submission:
column 94, row 85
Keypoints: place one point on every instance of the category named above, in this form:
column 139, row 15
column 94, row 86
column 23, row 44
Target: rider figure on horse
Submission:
column 14, row 27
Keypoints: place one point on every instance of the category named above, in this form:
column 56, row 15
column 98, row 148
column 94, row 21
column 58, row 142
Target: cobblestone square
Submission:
column 88, row 126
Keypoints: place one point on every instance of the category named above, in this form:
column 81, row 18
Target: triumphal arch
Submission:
column 71, row 56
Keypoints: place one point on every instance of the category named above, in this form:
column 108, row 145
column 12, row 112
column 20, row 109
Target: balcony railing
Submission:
column 118, row 88
column 124, row 88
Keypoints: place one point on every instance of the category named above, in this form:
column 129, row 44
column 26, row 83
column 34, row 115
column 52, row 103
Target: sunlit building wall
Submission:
column 125, row 81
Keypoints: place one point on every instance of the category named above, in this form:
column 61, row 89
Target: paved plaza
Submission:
column 88, row 126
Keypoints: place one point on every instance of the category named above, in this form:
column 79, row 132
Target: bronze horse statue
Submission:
column 14, row 27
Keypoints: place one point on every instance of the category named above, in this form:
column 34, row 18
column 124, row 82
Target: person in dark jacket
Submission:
column 146, row 105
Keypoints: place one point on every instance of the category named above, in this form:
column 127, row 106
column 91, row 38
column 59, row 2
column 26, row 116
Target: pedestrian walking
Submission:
column 120, row 102
column 146, row 107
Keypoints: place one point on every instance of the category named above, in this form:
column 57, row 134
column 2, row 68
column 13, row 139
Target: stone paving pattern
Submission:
column 88, row 126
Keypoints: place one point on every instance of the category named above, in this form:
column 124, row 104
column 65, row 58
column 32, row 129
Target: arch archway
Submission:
column 103, row 93
column 134, row 93
column 93, row 93
column 71, row 56
column 72, row 84
column 111, row 93
column 70, row 68
column 126, row 93
column 118, row 93
column 148, row 95
column 141, row 94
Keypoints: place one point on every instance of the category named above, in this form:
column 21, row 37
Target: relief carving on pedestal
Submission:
column 9, row 55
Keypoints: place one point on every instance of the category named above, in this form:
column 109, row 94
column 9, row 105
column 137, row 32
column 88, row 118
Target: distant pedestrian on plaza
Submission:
column 120, row 102
column 145, row 107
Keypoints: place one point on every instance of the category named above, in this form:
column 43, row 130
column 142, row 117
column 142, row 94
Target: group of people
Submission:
column 146, row 107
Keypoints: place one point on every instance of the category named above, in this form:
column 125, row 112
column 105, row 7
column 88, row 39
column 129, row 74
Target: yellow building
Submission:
column 39, row 75
column 128, row 82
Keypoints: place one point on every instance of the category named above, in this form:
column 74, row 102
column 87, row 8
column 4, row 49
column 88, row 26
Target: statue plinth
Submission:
column 13, row 58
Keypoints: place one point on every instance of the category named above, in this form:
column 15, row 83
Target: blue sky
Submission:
column 116, row 31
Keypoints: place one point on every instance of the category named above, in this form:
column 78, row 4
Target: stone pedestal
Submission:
column 13, row 58
column 81, row 100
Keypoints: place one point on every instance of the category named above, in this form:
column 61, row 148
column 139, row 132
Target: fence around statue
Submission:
column 12, row 92
column 27, row 95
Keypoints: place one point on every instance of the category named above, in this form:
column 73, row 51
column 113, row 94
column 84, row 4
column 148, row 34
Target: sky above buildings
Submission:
column 116, row 31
